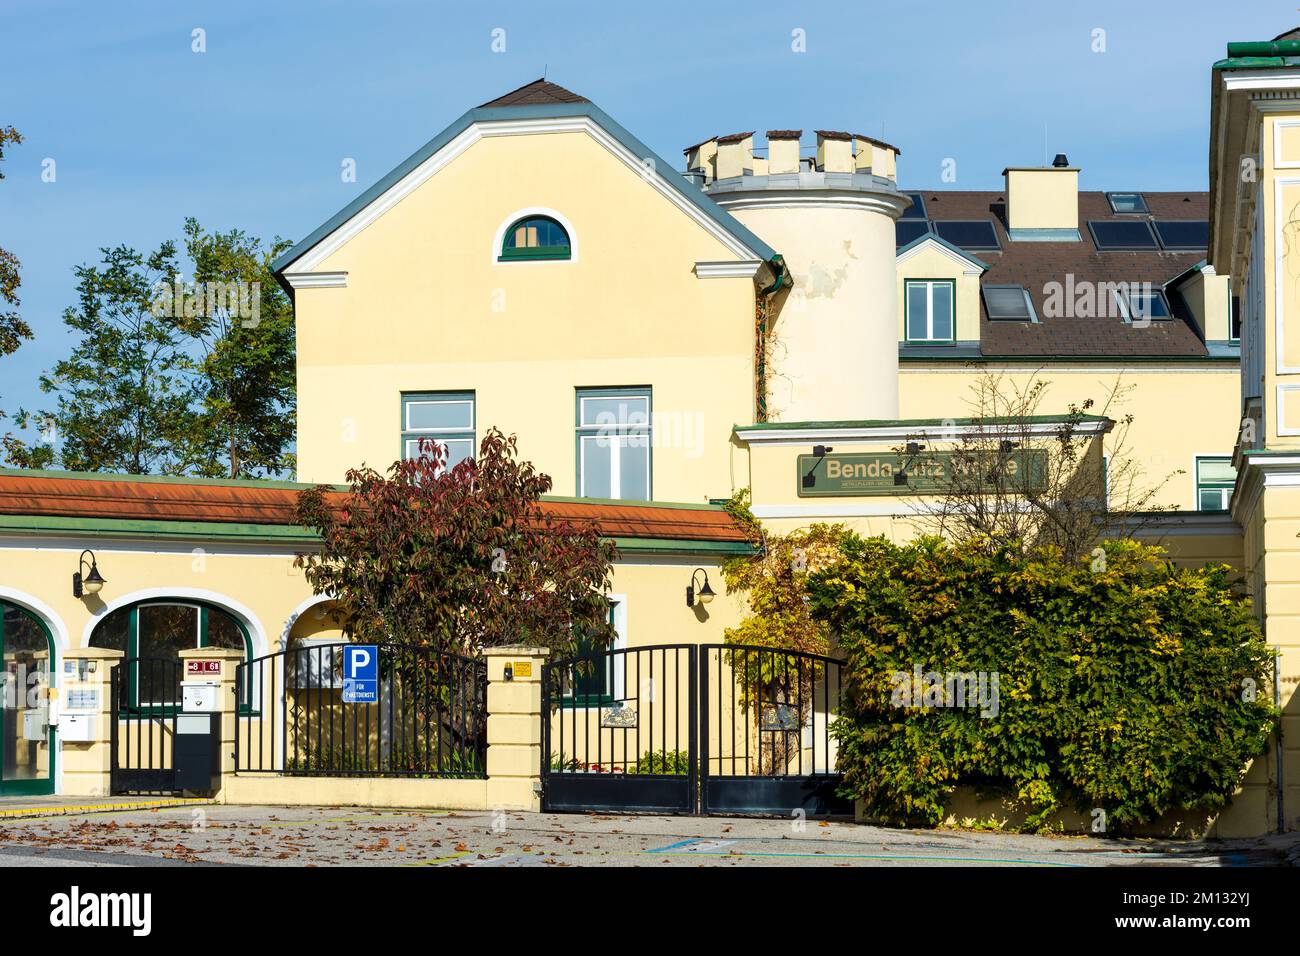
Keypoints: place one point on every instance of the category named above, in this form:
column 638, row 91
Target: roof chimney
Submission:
column 1043, row 202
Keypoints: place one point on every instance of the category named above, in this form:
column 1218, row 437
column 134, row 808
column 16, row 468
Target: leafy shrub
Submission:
column 1123, row 683
column 664, row 762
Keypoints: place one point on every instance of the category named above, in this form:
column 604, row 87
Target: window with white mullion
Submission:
column 613, row 434
column 446, row 418
column 929, row 310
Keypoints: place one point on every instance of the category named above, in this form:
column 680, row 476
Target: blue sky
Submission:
column 251, row 133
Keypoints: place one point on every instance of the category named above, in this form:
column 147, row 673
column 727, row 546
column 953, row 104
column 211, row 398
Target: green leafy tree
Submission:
column 13, row 330
column 172, row 377
column 1121, row 684
column 124, row 396
column 457, row 560
column 244, row 369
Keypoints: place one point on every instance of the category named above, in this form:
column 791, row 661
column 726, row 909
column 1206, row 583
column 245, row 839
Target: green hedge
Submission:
column 1123, row 684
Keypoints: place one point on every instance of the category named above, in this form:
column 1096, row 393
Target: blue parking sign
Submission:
column 361, row 674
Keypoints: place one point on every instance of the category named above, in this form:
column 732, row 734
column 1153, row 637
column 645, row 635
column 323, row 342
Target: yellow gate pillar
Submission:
column 204, row 664
column 85, row 725
column 514, row 727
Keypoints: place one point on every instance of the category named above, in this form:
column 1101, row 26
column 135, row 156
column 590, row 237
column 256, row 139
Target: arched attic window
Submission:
column 535, row 237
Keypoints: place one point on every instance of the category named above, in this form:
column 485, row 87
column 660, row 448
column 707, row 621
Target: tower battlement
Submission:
column 835, row 154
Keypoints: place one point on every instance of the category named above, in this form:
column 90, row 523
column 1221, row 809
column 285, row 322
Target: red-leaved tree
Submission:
column 457, row 559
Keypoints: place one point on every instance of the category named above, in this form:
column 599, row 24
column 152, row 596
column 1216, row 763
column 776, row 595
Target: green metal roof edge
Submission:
column 154, row 528
column 283, row 534
column 496, row 113
column 1266, row 62
column 682, row 545
column 1081, row 359
column 893, row 423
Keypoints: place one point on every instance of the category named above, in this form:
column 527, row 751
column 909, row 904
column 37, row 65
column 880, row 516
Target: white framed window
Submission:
column 928, row 306
column 443, row 417
column 613, row 443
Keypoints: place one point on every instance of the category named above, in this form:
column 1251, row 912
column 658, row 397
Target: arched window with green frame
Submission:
column 160, row 629
column 535, row 237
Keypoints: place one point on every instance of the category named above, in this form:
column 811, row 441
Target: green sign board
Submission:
column 878, row 473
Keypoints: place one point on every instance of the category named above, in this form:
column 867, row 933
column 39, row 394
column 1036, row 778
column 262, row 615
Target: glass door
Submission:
column 28, row 739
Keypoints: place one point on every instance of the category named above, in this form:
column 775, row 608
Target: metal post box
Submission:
column 200, row 697
column 78, row 728
column 197, row 750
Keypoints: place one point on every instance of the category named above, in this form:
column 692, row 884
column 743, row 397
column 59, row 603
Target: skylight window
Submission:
column 1192, row 235
column 909, row 230
column 917, row 209
column 1144, row 306
column 968, row 234
column 1127, row 202
column 1009, row 303
column 1119, row 234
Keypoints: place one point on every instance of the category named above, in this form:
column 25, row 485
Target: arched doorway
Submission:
column 27, row 649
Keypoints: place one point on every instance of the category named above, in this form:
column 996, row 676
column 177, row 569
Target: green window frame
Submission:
column 23, row 626
column 596, row 688
column 614, row 447
column 449, row 418
column 203, row 637
column 927, row 328
column 1215, row 479
column 535, row 237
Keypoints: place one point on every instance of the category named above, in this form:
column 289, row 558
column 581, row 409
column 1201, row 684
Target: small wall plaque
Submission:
column 522, row 668
column 617, row 715
column 780, row 717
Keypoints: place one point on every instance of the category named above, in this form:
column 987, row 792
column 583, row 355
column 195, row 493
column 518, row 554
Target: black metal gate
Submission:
column 681, row 728
column 146, row 699
column 765, row 718
column 619, row 730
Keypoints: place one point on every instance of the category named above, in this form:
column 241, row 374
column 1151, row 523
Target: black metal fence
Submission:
column 146, row 699
column 429, row 718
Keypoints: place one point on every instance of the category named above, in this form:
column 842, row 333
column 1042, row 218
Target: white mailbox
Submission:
column 78, row 727
column 200, row 696
column 35, row 725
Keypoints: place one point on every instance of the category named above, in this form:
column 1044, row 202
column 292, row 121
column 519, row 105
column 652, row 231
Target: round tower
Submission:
column 832, row 339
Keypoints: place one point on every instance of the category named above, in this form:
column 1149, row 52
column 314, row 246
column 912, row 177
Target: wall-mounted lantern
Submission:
column 820, row 451
column 93, row 582
column 704, row 595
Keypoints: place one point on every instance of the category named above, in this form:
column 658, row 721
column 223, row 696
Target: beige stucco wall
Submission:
column 833, row 338
column 1179, row 411
column 427, row 308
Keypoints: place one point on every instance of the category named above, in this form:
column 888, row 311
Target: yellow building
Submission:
column 660, row 340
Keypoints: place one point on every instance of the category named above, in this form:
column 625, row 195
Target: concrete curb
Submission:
column 27, row 813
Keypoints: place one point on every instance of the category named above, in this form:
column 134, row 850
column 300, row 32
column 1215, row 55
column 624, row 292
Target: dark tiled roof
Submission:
column 879, row 142
column 1036, row 264
column 73, row 495
column 538, row 92
column 784, row 133
column 735, row 137
column 832, row 134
